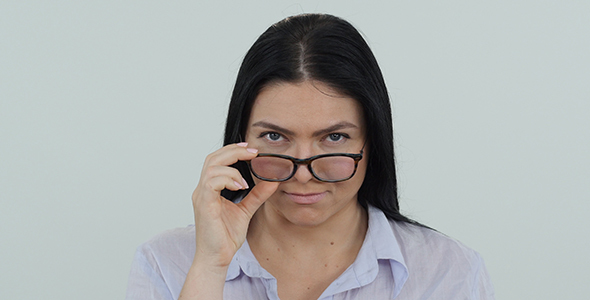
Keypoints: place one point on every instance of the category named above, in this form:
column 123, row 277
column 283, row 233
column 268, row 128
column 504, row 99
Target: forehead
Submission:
column 305, row 105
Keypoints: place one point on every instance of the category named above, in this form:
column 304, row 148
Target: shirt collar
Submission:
column 245, row 261
column 380, row 244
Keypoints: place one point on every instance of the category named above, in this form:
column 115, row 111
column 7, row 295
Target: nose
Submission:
column 302, row 174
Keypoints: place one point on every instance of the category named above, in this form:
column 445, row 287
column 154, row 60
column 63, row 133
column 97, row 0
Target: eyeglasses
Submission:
column 330, row 167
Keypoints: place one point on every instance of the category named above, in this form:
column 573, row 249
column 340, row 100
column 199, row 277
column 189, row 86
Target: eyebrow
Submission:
column 335, row 127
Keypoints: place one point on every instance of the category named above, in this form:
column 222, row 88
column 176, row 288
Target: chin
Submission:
column 304, row 215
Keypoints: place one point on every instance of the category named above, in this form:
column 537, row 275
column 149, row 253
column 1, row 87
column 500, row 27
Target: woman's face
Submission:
column 302, row 120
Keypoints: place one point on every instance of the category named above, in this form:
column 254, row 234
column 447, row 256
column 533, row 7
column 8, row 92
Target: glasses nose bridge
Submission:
column 305, row 161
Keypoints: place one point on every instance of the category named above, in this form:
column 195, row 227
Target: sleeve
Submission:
column 145, row 279
column 482, row 284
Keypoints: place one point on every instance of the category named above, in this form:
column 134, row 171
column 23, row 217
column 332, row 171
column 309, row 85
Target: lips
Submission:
column 306, row 199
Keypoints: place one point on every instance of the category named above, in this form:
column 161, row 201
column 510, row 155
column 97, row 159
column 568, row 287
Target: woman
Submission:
column 308, row 163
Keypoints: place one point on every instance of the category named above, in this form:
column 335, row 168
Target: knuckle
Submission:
column 208, row 171
column 209, row 158
column 210, row 185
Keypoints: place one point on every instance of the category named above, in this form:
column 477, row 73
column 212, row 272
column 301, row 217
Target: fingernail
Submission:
column 252, row 150
column 242, row 144
column 239, row 185
column 245, row 183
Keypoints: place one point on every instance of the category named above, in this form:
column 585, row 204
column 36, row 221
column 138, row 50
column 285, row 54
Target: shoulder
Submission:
column 160, row 265
column 169, row 253
column 178, row 235
column 436, row 261
column 416, row 240
column 170, row 244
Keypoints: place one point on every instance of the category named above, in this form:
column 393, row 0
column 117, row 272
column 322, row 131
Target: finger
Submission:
column 223, row 171
column 230, row 154
column 259, row 193
column 217, row 184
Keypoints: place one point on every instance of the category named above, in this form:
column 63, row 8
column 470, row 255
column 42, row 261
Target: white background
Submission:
column 108, row 108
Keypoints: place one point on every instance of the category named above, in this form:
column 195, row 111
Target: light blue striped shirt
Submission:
column 396, row 261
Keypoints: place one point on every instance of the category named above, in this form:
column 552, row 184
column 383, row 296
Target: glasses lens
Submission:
column 333, row 167
column 273, row 168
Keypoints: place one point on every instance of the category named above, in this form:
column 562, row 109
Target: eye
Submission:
column 336, row 137
column 272, row 136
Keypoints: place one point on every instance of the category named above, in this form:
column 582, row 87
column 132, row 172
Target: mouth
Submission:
column 307, row 198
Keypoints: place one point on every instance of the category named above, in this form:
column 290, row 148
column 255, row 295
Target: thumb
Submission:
column 259, row 193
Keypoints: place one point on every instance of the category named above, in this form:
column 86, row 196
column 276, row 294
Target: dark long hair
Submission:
column 328, row 49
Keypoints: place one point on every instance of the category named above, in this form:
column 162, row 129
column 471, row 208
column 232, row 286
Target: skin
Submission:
column 303, row 231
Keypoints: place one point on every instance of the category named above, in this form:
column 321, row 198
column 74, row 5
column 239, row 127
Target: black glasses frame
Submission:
column 307, row 161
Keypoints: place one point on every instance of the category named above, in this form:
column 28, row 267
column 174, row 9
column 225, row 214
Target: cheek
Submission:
column 353, row 185
column 361, row 170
